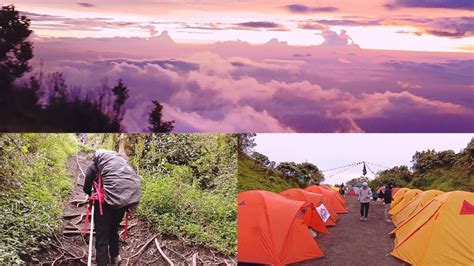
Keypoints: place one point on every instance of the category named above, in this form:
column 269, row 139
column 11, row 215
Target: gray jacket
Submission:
column 365, row 195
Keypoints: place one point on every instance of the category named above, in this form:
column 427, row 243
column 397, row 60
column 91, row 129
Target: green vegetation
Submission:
column 443, row 170
column 252, row 175
column 257, row 171
column 33, row 182
column 189, row 186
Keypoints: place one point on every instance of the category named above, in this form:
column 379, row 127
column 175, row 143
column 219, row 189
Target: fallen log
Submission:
column 72, row 215
column 74, row 232
column 69, row 228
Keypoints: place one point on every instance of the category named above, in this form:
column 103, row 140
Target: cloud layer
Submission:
column 277, row 92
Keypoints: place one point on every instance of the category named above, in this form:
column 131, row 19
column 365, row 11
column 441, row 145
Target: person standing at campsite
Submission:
column 387, row 200
column 365, row 193
column 341, row 190
column 381, row 194
column 114, row 188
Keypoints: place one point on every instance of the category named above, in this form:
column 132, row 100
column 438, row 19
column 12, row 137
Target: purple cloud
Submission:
column 260, row 25
column 84, row 4
column 302, row 9
column 349, row 22
column 331, row 38
column 451, row 4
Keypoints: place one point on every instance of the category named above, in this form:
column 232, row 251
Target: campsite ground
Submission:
column 353, row 242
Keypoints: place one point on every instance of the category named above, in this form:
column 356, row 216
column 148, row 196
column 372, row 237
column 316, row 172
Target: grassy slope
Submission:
column 254, row 176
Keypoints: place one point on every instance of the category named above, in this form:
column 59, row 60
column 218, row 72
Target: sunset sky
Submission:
column 416, row 25
column 268, row 66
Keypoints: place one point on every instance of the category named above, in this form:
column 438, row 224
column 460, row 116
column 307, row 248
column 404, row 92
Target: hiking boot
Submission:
column 116, row 260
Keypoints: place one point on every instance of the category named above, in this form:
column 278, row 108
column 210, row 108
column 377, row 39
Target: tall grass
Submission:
column 34, row 181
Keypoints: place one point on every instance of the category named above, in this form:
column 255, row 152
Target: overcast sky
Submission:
column 328, row 151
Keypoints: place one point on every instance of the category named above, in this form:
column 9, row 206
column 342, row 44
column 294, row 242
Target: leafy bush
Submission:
column 33, row 181
column 189, row 186
column 441, row 170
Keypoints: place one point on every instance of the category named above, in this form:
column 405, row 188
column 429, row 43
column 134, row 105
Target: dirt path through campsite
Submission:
column 353, row 242
column 140, row 248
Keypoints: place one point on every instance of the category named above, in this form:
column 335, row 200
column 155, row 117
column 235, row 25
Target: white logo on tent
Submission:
column 323, row 212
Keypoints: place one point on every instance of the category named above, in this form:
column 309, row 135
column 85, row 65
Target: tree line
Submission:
column 45, row 103
column 303, row 174
column 442, row 170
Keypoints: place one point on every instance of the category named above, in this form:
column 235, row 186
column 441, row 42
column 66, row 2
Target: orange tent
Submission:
column 317, row 199
column 271, row 229
column 337, row 194
column 353, row 192
column 333, row 201
column 441, row 233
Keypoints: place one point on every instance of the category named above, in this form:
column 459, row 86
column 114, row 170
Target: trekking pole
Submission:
column 91, row 234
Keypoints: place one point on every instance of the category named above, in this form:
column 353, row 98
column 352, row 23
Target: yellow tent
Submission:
column 416, row 204
column 399, row 196
column 404, row 202
column 441, row 233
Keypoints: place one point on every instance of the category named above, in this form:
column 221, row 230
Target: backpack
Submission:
column 120, row 183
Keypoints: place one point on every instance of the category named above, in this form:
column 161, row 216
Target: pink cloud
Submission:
column 239, row 119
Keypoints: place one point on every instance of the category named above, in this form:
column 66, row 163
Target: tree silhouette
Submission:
column 15, row 50
column 121, row 95
column 155, row 117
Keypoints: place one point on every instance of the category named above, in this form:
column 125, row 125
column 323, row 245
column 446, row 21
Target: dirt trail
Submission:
column 70, row 248
column 353, row 242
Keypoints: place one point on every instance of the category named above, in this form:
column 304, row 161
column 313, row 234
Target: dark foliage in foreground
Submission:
column 47, row 104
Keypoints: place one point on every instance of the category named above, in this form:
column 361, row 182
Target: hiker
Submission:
column 111, row 176
column 374, row 195
column 387, row 200
column 381, row 194
column 365, row 193
column 341, row 190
